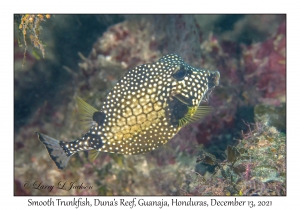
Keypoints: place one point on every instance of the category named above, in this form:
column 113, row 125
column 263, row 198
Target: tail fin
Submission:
column 57, row 150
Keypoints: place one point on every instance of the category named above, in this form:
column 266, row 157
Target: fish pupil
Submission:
column 180, row 74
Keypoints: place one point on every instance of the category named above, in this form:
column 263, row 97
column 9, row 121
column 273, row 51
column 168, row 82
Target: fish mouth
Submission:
column 213, row 79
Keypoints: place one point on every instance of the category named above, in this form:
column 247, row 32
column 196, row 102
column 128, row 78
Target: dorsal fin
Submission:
column 86, row 113
column 194, row 113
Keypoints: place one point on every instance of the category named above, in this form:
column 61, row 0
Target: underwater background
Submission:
column 239, row 149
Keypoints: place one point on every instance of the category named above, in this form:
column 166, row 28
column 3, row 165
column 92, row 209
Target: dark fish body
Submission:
column 143, row 111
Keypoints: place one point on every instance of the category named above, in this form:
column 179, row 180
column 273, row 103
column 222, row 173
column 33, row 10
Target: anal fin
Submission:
column 92, row 154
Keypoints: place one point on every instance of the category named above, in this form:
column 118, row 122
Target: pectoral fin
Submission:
column 194, row 113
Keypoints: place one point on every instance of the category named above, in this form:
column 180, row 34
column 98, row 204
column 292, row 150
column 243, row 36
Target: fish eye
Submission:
column 179, row 73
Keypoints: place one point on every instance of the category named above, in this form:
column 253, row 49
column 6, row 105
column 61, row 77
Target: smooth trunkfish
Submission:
column 144, row 110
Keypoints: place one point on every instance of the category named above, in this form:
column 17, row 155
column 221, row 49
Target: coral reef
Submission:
column 252, row 83
column 255, row 166
column 249, row 74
